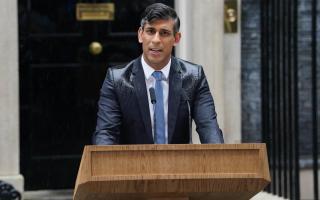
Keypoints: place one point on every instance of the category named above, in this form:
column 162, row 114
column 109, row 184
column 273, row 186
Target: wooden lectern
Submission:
column 172, row 172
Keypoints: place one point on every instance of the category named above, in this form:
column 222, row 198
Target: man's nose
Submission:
column 156, row 37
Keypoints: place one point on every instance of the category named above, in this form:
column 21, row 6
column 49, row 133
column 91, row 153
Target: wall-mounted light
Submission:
column 230, row 16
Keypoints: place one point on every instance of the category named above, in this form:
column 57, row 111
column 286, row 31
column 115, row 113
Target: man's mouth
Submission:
column 155, row 50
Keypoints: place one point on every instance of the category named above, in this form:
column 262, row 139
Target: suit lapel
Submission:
column 175, row 85
column 142, row 96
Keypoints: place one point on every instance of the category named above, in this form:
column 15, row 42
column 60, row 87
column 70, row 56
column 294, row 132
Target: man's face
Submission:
column 157, row 40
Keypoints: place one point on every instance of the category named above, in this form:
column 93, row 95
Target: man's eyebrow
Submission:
column 164, row 29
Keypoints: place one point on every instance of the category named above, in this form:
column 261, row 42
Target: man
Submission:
column 151, row 99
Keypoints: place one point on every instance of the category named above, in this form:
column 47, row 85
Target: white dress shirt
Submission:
column 150, row 82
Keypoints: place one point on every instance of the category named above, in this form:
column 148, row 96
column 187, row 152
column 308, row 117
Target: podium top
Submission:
column 190, row 170
column 147, row 147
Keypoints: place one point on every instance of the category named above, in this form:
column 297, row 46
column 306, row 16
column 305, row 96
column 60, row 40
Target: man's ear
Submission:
column 140, row 34
column 177, row 38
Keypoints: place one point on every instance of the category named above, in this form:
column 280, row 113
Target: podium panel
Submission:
column 177, row 172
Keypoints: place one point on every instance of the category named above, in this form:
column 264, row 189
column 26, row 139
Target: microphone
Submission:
column 152, row 95
column 153, row 101
column 185, row 96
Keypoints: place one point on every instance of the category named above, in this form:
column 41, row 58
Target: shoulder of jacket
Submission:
column 185, row 62
column 188, row 67
column 118, row 71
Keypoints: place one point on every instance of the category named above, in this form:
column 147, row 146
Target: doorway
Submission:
column 60, row 79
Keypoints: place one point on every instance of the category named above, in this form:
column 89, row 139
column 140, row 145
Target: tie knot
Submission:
column 157, row 75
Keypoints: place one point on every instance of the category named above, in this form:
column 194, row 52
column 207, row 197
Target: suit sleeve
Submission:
column 204, row 113
column 109, row 114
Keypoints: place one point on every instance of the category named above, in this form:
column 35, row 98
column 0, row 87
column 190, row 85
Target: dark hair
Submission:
column 158, row 11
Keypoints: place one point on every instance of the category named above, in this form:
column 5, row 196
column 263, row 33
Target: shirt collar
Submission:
column 148, row 70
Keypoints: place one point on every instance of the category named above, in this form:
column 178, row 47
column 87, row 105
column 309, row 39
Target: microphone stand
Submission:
column 189, row 116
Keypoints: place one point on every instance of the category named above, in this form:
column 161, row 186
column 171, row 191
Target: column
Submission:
column 204, row 42
column 9, row 95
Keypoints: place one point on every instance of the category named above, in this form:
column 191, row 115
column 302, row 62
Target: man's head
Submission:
column 158, row 33
column 158, row 11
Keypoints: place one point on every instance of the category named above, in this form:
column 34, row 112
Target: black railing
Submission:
column 280, row 94
column 314, row 100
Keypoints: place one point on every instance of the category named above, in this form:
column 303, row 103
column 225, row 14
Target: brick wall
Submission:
column 251, row 74
column 250, row 71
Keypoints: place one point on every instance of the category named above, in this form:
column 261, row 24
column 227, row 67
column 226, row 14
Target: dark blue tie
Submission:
column 159, row 124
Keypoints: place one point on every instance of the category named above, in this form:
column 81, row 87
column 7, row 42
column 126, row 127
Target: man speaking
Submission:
column 152, row 99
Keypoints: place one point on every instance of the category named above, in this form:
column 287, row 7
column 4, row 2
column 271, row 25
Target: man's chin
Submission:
column 155, row 62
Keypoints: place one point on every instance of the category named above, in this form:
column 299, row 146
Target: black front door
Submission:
column 60, row 81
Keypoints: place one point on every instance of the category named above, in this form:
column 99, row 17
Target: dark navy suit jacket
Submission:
column 124, row 116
